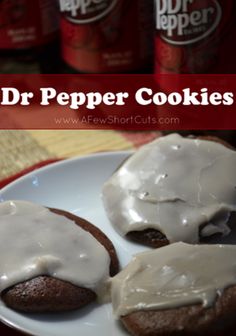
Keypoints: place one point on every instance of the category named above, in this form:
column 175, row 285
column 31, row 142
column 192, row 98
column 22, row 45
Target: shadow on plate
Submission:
column 63, row 317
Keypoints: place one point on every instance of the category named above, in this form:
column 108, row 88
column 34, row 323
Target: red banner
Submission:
column 131, row 102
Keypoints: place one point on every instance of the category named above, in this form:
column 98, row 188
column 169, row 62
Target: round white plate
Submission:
column 73, row 185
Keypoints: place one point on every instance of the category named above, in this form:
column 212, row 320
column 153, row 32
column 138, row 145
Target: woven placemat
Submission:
column 20, row 150
column 76, row 143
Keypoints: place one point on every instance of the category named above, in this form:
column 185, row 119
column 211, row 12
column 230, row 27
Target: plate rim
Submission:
column 13, row 326
column 61, row 163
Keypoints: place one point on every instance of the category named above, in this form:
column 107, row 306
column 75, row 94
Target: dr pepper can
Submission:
column 107, row 36
column 195, row 36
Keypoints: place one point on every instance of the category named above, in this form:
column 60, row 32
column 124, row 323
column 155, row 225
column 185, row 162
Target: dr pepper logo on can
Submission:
column 86, row 11
column 183, row 22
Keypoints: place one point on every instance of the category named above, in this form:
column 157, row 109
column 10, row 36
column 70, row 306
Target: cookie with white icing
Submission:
column 51, row 260
column 180, row 289
column 173, row 189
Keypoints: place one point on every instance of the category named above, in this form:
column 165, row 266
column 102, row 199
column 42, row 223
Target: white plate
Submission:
column 74, row 185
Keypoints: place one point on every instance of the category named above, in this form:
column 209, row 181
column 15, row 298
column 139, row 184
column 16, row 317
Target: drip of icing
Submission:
column 34, row 241
column 175, row 185
column 174, row 276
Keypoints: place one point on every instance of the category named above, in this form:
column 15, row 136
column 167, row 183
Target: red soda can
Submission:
column 195, row 36
column 107, row 36
column 29, row 35
column 27, row 23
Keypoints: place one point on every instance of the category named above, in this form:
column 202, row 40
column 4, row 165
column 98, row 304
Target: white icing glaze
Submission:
column 174, row 185
column 174, row 276
column 34, row 241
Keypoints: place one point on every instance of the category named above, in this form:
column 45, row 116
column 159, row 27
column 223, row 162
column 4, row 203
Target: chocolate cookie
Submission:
column 180, row 289
column 48, row 294
column 130, row 197
column 154, row 238
column 189, row 320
